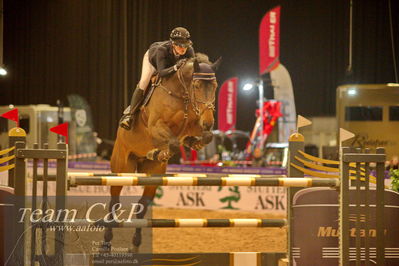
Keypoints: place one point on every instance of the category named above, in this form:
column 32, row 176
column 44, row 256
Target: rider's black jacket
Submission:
column 161, row 56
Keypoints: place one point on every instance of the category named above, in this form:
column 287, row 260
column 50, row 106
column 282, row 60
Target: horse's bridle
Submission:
column 192, row 98
column 187, row 97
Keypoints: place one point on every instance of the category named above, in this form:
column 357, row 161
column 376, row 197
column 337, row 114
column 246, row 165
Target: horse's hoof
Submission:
column 152, row 154
column 108, row 235
column 164, row 156
column 105, row 247
column 135, row 249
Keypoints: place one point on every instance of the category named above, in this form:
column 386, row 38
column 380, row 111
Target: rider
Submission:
column 162, row 57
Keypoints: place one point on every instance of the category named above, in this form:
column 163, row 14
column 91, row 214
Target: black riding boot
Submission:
column 137, row 96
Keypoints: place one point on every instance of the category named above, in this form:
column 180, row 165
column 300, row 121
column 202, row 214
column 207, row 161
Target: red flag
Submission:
column 269, row 41
column 227, row 105
column 61, row 129
column 12, row 115
column 271, row 112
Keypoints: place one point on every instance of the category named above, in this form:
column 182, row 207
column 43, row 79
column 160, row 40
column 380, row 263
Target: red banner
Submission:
column 227, row 105
column 269, row 41
column 12, row 115
column 61, row 129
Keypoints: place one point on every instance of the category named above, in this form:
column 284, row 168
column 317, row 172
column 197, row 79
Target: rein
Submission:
column 187, row 97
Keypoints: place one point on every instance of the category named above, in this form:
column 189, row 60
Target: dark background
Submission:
column 94, row 48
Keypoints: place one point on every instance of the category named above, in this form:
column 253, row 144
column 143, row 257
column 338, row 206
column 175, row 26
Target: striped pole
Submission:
column 87, row 174
column 202, row 181
column 188, row 223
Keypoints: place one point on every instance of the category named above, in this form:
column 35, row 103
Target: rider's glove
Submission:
column 179, row 64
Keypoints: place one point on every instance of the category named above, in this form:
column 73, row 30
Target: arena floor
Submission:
column 216, row 239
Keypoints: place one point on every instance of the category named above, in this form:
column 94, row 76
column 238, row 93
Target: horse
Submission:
column 179, row 112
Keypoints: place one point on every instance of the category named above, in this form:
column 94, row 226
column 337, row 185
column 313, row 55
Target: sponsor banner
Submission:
column 316, row 227
column 284, row 93
column 269, row 41
column 268, row 199
column 227, row 105
column 85, row 141
column 179, row 168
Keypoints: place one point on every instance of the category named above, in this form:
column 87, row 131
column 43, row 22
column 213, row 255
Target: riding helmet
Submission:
column 181, row 37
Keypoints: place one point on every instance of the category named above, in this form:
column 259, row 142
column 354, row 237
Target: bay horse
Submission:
column 179, row 112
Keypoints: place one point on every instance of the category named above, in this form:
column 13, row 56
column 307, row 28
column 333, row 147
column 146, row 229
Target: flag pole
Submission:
column 261, row 102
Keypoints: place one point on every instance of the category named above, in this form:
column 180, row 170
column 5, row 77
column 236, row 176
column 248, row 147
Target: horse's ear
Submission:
column 216, row 65
column 196, row 66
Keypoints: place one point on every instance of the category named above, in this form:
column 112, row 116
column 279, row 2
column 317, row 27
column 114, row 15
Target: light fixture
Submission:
column 3, row 71
column 247, row 87
column 352, row 92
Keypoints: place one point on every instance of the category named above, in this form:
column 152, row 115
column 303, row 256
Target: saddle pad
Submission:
column 127, row 110
column 148, row 94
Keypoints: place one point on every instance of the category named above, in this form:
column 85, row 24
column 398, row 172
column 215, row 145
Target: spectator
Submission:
column 393, row 163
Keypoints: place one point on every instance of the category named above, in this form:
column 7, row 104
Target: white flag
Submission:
column 303, row 122
column 345, row 135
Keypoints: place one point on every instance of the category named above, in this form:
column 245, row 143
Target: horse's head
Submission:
column 202, row 89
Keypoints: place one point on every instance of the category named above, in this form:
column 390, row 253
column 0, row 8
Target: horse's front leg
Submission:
column 165, row 142
column 198, row 143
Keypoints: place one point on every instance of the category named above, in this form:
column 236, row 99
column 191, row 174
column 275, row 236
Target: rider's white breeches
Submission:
column 146, row 72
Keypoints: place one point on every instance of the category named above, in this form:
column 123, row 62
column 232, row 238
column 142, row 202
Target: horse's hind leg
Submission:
column 121, row 162
column 148, row 167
